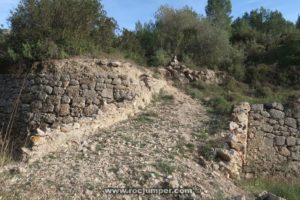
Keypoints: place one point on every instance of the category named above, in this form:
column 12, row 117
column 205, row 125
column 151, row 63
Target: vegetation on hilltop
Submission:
column 260, row 48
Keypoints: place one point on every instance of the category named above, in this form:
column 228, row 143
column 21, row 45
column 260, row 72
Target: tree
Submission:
column 184, row 33
column 298, row 22
column 267, row 21
column 42, row 29
column 218, row 12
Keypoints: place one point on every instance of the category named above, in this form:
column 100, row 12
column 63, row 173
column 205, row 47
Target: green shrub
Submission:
column 53, row 29
column 289, row 189
column 264, row 91
column 161, row 58
column 220, row 105
column 165, row 167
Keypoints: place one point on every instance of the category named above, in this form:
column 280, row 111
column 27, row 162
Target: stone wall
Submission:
column 12, row 118
column 62, row 96
column 273, row 140
column 185, row 75
column 233, row 154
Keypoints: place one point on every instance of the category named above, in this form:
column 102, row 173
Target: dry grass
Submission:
column 6, row 139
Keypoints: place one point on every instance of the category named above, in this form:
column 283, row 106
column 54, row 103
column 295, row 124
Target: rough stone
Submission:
column 117, row 81
column 265, row 114
column 107, row 93
column 48, row 89
column 65, row 99
column 291, row 141
column 269, row 196
column 280, row 140
column 276, row 114
column 50, row 118
column 78, row 102
column 64, row 110
column 58, row 91
column 277, row 106
column 91, row 110
column 72, row 91
column 225, row 154
column 74, row 82
column 115, row 64
column 284, row 151
column 291, row 122
column 257, row 107
column 267, row 128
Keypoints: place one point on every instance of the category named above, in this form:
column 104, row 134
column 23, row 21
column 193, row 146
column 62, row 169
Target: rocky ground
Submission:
column 158, row 148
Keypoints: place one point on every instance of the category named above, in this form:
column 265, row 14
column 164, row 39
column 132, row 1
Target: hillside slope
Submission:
column 159, row 148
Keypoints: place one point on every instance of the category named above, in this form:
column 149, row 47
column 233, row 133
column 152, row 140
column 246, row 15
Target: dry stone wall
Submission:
column 273, row 140
column 185, row 75
column 62, row 96
column 264, row 139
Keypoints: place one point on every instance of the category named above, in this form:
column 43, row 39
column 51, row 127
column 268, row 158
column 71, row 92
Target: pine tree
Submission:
column 298, row 22
column 218, row 12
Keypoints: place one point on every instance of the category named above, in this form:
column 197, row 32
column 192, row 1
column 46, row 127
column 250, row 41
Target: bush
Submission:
column 54, row 29
column 288, row 189
column 264, row 91
column 161, row 58
column 220, row 105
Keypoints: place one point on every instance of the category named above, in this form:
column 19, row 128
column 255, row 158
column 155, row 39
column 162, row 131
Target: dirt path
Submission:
column 156, row 149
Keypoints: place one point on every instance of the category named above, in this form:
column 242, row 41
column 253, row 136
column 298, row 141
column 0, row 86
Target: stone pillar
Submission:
column 239, row 129
column 234, row 156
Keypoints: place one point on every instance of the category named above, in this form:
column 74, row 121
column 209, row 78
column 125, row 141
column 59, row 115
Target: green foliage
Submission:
column 220, row 105
column 165, row 167
column 148, row 117
column 184, row 33
column 298, row 22
column 266, row 21
column 53, row 29
column 288, row 189
column 206, row 150
column 218, row 12
column 161, row 58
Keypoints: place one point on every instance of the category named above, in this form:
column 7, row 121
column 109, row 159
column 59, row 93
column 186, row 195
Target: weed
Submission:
column 206, row 149
column 164, row 167
column 289, row 189
column 148, row 117
column 165, row 98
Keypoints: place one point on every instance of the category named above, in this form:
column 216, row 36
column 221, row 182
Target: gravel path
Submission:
column 156, row 149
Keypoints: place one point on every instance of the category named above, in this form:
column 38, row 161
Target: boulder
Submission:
column 269, row 196
column 115, row 64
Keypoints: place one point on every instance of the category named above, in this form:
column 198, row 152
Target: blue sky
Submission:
column 128, row 12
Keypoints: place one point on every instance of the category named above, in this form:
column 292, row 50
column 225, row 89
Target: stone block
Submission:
column 58, row 91
column 276, row 114
column 73, row 91
column 267, row 128
column 65, row 99
column 116, row 81
column 78, row 102
column 91, row 110
column 265, row 114
column 64, row 110
column 280, row 140
column 284, row 152
column 291, row 122
column 291, row 141
column 74, row 82
column 107, row 93
column 257, row 107
column 48, row 89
